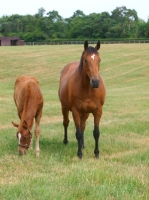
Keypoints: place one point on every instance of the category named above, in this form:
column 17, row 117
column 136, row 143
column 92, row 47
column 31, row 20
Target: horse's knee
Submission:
column 65, row 123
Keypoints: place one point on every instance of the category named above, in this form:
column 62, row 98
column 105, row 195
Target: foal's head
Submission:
column 24, row 137
column 90, row 63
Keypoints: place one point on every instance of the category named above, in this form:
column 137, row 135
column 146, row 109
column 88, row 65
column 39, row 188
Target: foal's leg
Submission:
column 83, row 120
column 65, row 124
column 96, row 132
column 37, row 132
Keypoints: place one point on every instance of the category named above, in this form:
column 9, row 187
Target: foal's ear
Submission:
column 15, row 124
column 85, row 45
column 97, row 45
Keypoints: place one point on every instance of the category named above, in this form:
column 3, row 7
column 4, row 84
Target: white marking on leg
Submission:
column 93, row 56
column 19, row 137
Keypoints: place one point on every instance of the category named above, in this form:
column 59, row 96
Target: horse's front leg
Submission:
column 96, row 132
column 84, row 117
column 37, row 132
column 79, row 133
column 79, row 137
column 65, row 124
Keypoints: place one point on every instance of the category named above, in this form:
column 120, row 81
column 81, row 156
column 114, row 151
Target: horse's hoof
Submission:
column 96, row 152
column 37, row 153
column 80, row 155
column 65, row 141
column 97, row 156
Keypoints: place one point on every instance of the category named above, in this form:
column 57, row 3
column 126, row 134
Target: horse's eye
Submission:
column 99, row 60
column 86, row 61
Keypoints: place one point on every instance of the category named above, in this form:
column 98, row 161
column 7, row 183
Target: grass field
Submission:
column 122, row 172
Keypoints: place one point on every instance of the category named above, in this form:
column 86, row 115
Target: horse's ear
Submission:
column 97, row 45
column 15, row 124
column 85, row 45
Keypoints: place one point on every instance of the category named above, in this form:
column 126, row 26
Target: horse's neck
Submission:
column 28, row 117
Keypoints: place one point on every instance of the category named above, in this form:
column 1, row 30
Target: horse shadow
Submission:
column 56, row 148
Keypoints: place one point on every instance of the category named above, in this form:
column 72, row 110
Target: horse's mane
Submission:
column 90, row 50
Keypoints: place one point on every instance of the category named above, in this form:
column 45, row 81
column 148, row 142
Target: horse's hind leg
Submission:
column 37, row 132
column 65, row 124
column 83, row 120
column 79, row 133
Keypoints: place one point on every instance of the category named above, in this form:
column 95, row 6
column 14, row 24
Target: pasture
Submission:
column 121, row 172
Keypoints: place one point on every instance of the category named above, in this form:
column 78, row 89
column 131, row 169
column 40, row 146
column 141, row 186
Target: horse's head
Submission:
column 91, row 63
column 24, row 137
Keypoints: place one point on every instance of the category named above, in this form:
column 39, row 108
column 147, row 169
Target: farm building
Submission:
column 11, row 41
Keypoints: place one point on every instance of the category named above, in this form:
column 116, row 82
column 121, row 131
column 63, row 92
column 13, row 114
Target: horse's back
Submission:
column 68, row 70
column 27, row 87
column 21, row 81
column 65, row 77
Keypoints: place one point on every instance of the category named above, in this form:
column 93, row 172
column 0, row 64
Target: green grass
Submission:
column 122, row 172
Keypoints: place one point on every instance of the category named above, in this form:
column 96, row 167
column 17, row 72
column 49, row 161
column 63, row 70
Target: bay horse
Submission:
column 29, row 102
column 82, row 91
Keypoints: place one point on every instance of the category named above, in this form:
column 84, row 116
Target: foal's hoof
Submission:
column 65, row 141
column 37, row 153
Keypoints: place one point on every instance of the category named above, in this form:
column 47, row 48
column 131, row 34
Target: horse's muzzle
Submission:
column 22, row 151
column 95, row 83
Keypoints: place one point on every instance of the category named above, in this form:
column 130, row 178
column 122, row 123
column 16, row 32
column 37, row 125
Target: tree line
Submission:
column 122, row 23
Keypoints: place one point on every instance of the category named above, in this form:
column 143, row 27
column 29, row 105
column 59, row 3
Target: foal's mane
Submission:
column 90, row 50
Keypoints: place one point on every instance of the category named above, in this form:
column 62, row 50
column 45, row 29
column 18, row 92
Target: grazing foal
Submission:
column 82, row 91
column 29, row 102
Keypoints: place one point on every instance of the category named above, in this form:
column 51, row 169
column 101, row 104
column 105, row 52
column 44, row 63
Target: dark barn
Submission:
column 11, row 41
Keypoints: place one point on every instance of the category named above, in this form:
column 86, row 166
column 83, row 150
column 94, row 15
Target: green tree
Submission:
column 54, row 16
column 147, row 29
column 78, row 13
column 125, row 22
column 41, row 12
column 121, row 23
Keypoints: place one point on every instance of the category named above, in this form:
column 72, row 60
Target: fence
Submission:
column 82, row 42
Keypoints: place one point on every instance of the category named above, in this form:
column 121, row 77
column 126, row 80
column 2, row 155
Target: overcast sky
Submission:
column 66, row 8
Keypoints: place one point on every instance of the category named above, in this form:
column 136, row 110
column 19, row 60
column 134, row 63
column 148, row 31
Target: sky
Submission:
column 66, row 8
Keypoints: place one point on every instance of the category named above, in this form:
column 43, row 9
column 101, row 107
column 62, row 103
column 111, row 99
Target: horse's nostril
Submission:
column 95, row 83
